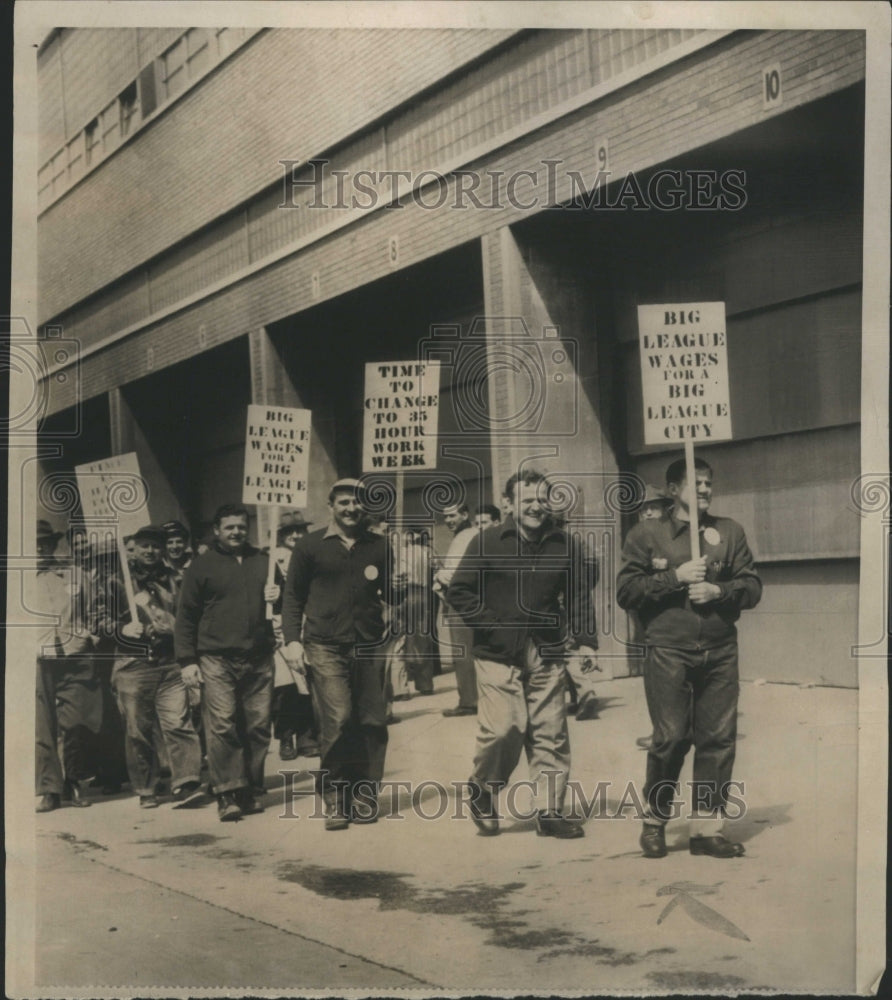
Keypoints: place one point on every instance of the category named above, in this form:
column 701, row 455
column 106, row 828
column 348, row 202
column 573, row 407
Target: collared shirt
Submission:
column 647, row 581
column 512, row 589
column 338, row 586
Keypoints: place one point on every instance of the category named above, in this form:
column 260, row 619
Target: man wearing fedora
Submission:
column 332, row 619
column 224, row 641
column 293, row 723
column 689, row 609
column 148, row 681
column 69, row 696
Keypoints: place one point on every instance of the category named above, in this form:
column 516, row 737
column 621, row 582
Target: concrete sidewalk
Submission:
column 428, row 903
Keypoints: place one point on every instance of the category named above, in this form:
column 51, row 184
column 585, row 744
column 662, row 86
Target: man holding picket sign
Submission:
column 688, row 576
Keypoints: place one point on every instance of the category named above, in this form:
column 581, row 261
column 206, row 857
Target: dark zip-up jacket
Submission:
column 338, row 589
column 647, row 582
column 509, row 590
column 221, row 607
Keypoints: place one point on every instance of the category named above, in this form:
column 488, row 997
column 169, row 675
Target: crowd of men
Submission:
column 186, row 665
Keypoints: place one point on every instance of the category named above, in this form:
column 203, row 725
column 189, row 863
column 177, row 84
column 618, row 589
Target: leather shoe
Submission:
column 716, row 847
column 227, row 808
column 587, row 708
column 336, row 818
column 286, row 750
column 48, row 802
column 553, row 824
column 653, row 840
column 452, row 713
column 249, row 804
column 483, row 809
column 74, row 794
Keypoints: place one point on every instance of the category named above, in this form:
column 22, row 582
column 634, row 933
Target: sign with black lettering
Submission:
column 401, row 406
column 277, row 456
column 112, row 489
column 684, row 373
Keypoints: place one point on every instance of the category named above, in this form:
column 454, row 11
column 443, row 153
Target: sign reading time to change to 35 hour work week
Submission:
column 401, row 404
column 277, row 456
column 684, row 372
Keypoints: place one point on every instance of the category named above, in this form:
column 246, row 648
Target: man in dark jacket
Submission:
column 148, row 682
column 224, row 641
column 528, row 600
column 332, row 620
column 688, row 608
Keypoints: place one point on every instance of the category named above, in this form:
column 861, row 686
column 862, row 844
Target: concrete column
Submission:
column 127, row 436
column 552, row 408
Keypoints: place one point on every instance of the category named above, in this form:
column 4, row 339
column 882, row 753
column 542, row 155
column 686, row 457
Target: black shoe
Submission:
column 189, row 796
column 286, row 749
column 553, row 824
column 73, row 793
column 392, row 720
column 653, row 840
column 308, row 749
column 587, row 708
column 148, row 802
column 483, row 809
column 48, row 802
column 227, row 808
column 716, row 847
column 452, row 713
column 336, row 817
column 248, row 802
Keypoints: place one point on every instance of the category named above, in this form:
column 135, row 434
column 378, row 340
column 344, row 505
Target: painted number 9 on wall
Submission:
column 771, row 86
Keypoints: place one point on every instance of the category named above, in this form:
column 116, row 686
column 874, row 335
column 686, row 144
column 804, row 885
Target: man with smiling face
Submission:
column 224, row 641
column 332, row 618
column 528, row 600
column 688, row 608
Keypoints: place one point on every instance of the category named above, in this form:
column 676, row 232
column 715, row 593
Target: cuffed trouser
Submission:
column 348, row 702
column 521, row 707
column 237, row 700
column 68, row 700
column 148, row 692
column 456, row 645
column 692, row 698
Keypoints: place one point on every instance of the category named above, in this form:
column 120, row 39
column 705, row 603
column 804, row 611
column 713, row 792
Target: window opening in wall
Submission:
column 127, row 105
column 173, row 69
column 198, row 52
column 92, row 140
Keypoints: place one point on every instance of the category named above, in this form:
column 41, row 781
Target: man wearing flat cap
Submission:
column 332, row 619
column 148, row 681
column 224, row 641
column 177, row 554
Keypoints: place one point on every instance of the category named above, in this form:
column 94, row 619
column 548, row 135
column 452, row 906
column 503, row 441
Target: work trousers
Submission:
column 692, row 699
column 147, row 693
column 237, row 700
column 68, row 701
column 348, row 702
column 456, row 652
column 521, row 707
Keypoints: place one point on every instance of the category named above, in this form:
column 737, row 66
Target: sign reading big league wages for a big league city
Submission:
column 113, row 489
column 277, row 456
column 401, row 405
column 684, row 373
